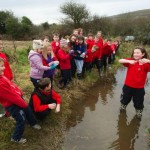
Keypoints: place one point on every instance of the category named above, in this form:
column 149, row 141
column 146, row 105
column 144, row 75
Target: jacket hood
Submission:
column 32, row 53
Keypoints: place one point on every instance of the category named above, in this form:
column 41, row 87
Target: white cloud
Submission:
column 39, row 11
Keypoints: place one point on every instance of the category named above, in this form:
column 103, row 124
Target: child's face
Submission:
column 109, row 43
column 56, row 38
column 65, row 48
column 80, row 41
column 2, row 67
column 91, row 37
column 96, row 39
column 49, row 50
column 48, row 88
column 40, row 50
column 137, row 54
column 75, row 32
column 99, row 34
column 73, row 38
column 93, row 49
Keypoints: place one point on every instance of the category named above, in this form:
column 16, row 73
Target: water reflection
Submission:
column 127, row 133
column 77, row 113
column 97, row 124
column 107, row 84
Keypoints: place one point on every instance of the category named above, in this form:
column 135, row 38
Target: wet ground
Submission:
column 97, row 124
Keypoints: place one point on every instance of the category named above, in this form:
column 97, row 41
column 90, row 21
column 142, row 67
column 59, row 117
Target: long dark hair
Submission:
column 143, row 51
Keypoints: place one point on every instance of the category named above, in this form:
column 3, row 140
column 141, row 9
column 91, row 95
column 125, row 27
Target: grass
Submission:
column 52, row 133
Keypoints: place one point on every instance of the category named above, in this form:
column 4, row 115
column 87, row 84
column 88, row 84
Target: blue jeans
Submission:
column 21, row 115
column 79, row 65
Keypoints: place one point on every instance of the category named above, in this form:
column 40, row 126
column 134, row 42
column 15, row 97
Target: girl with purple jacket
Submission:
column 36, row 66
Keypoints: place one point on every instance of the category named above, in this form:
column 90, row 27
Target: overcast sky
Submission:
column 40, row 11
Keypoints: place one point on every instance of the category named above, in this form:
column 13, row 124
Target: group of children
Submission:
column 73, row 57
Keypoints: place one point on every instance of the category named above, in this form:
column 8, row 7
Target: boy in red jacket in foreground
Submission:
column 11, row 99
column 44, row 99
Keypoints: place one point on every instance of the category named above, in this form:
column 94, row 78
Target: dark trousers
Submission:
column 66, row 77
column 35, row 82
column 42, row 115
column 73, row 67
column 104, row 61
column 135, row 94
column 98, row 63
column 21, row 116
column 87, row 66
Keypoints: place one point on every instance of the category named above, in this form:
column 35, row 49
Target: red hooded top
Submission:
column 101, row 42
column 7, row 71
column 55, row 48
column 89, row 43
column 98, row 53
column 113, row 47
column 38, row 107
column 10, row 94
column 64, row 59
column 88, row 56
column 107, row 50
column 136, row 74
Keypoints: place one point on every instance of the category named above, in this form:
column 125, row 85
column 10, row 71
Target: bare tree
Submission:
column 76, row 13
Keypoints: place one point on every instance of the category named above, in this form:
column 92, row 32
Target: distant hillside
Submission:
column 135, row 14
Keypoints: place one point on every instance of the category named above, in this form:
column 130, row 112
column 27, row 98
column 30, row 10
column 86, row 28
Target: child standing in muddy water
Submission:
column 137, row 68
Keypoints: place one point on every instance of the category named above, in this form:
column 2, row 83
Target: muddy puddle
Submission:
column 97, row 124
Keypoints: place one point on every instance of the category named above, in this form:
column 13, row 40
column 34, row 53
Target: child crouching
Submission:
column 11, row 99
column 44, row 99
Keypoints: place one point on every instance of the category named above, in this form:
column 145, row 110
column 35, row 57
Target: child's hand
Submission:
column 52, row 106
column 144, row 61
column 79, row 51
column 51, row 63
column 132, row 62
column 57, row 108
column 82, row 55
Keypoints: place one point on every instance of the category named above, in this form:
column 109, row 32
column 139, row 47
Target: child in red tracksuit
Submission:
column 137, row 68
column 55, row 44
column 44, row 99
column 97, row 55
column 87, row 66
column 90, row 41
column 99, row 35
column 114, row 46
column 7, row 71
column 107, row 50
column 11, row 99
column 64, row 57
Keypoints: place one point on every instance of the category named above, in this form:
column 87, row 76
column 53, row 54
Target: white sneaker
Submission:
column 37, row 127
column 21, row 141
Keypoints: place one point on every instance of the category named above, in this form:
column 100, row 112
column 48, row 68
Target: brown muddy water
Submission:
column 97, row 124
